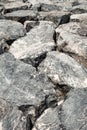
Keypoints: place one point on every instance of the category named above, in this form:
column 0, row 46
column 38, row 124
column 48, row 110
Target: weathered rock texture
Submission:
column 43, row 65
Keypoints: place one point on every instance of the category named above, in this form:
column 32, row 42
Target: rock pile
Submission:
column 43, row 65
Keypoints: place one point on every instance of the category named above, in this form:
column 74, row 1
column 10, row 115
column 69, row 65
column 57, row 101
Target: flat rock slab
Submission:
column 58, row 17
column 49, row 120
column 64, row 70
column 33, row 47
column 74, row 110
column 21, row 15
column 80, row 8
column 19, row 84
column 11, row 30
column 15, row 5
column 33, row 2
column 78, row 17
column 72, row 38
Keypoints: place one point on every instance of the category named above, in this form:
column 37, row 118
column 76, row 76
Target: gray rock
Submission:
column 5, row 107
column 33, row 47
column 10, row 117
column 14, row 120
column 49, row 7
column 80, row 8
column 11, row 30
column 78, row 17
column 74, row 110
column 19, row 84
column 33, row 2
column 58, row 17
column 64, row 70
column 16, row 5
column 49, row 120
column 21, row 15
column 72, row 38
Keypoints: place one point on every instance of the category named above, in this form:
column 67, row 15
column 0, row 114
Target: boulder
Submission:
column 57, row 17
column 72, row 38
column 64, row 70
column 21, row 15
column 74, row 110
column 19, row 83
column 11, row 30
column 16, row 5
column 11, row 117
column 80, row 8
column 78, row 17
column 33, row 47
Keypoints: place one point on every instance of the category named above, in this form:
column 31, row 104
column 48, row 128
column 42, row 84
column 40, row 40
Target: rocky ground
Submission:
column 43, row 64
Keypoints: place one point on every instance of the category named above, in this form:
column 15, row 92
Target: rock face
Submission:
column 18, row 79
column 40, row 39
column 64, row 70
column 21, row 15
column 48, row 120
column 11, row 30
column 43, row 65
column 74, row 110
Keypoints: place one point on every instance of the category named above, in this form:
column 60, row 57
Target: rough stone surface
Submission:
column 21, row 15
column 55, row 16
column 11, row 30
column 36, row 44
column 18, row 84
column 44, row 122
column 72, row 39
column 74, row 110
column 43, row 64
column 16, row 5
column 11, row 117
column 79, row 17
column 64, row 70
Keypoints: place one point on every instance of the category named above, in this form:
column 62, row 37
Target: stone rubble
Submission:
column 43, row 65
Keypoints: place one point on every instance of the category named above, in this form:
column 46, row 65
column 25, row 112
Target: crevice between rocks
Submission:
column 32, row 113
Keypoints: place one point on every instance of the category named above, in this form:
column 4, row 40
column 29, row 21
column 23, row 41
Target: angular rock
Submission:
column 80, row 8
column 49, row 7
column 5, row 107
column 33, row 2
column 21, row 15
column 64, row 70
column 49, row 120
column 16, row 5
column 74, row 110
column 58, row 17
column 11, row 30
column 33, row 47
column 14, row 120
column 11, row 117
column 79, row 17
column 19, row 84
column 72, row 38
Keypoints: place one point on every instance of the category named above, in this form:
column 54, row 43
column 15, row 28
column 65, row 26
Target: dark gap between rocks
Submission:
column 65, row 19
column 35, row 62
column 9, row 42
